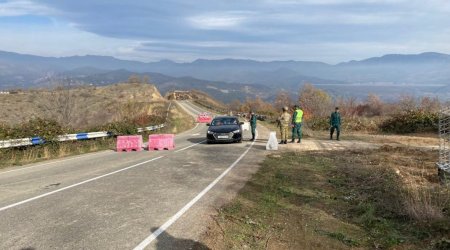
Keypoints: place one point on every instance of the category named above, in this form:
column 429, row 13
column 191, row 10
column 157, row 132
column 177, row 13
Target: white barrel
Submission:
column 246, row 126
column 272, row 143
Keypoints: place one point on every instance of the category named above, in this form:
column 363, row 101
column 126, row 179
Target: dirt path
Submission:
column 315, row 144
column 362, row 141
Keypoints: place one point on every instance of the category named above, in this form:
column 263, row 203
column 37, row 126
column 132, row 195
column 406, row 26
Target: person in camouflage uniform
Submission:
column 284, row 121
column 335, row 123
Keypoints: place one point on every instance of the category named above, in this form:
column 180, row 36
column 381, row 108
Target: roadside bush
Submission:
column 144, row 120
column 411, row 122
column 47, row 129
column 318, row 123
column 121, row 128
column 348, row 123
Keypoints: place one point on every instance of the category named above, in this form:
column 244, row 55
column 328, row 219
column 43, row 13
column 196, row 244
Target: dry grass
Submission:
column 81, row 107
column 26, row 155
column 388, row 198
column 139, row 105
column 179, row 120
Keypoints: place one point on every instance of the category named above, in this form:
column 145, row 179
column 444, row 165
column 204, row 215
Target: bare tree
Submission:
column 429, row 104
column 349, row 106
column 314, row 101
column 374, row 105
column 407, row 103
column 283, row 99
column 62, row 103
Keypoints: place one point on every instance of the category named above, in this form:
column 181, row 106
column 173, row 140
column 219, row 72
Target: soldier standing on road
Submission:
column 284, row 122
column 297, row 124
column 335, row 123
column 253, row 117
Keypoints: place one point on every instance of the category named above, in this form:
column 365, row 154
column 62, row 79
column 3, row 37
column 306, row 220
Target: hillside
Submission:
column 82, row 107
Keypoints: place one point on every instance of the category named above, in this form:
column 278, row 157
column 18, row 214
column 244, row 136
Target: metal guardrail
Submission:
column 151, row 128
column 68, row 137
column 73, row 137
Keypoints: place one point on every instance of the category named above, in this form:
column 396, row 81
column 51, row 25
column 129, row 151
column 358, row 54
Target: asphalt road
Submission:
column 135, row 200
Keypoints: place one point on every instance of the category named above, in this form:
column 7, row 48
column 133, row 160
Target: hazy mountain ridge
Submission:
column 228, row 75
column 222, row 91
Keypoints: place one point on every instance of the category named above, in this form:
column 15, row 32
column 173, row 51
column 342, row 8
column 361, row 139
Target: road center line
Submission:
column 174, row 218
column 77, row 184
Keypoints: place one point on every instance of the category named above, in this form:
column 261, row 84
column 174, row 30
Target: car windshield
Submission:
column 224, row 121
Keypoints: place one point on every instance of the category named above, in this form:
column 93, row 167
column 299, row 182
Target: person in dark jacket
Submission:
column 253, row 118
column 335, row 123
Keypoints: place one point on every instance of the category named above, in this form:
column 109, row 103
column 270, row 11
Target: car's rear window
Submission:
column 224, row 121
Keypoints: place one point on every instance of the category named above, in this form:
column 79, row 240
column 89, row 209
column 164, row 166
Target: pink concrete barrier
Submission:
column 129, row 143
column 161, row 142
column 204, row 118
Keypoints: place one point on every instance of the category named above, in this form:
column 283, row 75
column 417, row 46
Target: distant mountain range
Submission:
column 225, row 92
column 231, row 78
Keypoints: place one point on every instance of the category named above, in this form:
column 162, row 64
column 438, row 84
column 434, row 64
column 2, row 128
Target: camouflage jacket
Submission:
column 285, row 119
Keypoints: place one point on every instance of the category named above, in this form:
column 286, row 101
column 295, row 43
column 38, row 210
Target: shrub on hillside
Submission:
column 144, row 120
column 47, row 129
column 120, row 128
column 348, row 123
column 413, row 121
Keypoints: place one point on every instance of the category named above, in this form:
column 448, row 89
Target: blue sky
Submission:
column 315, row 30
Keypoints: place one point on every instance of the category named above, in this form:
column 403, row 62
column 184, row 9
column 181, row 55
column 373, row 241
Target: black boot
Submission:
column 299, row 141
column 285, row 141
column 293, row 141
column 281, row 142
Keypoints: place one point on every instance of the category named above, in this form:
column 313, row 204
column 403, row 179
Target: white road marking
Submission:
column 77, row 184
column 188, row 131
column 179, row 150
column 196, row 133
column 53, row 162
column 183, row 210
column 92, row 179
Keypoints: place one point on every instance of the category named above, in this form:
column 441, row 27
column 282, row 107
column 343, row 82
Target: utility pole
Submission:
column 444, row 146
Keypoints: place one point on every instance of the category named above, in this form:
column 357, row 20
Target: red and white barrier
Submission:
column 129, row 143
column 161, row 142
column 204, row 118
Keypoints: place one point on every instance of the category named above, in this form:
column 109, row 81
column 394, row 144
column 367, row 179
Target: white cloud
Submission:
column 335, row 2
column 20, row 8
column 218, row 21
column 329, row 17
column 328, row 30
